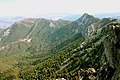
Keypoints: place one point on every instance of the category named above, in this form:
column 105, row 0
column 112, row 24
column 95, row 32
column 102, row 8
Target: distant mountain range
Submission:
column 87, row 48
column 6, row 22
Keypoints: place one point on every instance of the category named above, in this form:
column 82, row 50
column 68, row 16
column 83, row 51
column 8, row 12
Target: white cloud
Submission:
column 50, row 7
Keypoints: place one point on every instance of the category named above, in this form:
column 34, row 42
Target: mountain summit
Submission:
column 87, row 19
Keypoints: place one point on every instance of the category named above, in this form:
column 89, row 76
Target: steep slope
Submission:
column 44, row 32
column 25, row 39
column 94, row 57
column 86, row 49
column 97, row 57
column 75, row 29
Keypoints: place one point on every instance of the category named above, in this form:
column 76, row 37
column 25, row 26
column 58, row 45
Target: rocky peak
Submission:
column 85, row 16
column 87, row 19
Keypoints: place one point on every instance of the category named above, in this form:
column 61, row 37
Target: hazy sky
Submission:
column 57, row 7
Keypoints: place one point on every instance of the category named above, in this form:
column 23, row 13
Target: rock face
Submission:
column 112, row 52
column 105, row 51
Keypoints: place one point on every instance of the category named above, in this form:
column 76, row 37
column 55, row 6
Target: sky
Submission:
column 58, row 8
